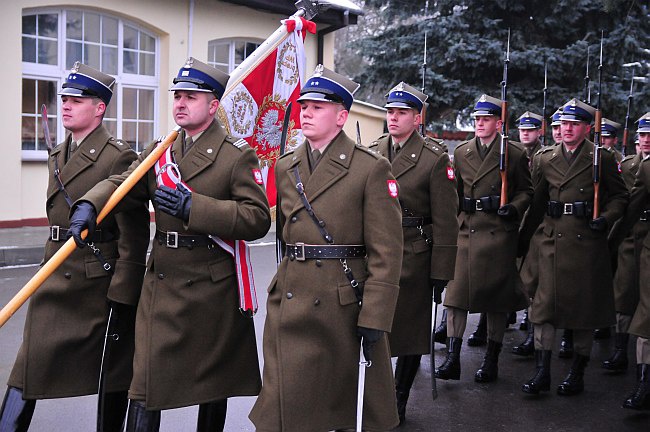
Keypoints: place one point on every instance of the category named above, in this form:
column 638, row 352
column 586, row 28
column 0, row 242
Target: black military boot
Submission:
column 574, row 382
column 566, row 344
column 617, row 363
column 16, row 413
column 140, row 419
column 603, row 333
column 405, row 371
column 542, row 379
column 489, row 370
column 441, row 330
column 212, row 416
column 523, row 325
column 527, row 347
column 479, row 337
column 450, row 369
column 113, row 412
column 640, row 397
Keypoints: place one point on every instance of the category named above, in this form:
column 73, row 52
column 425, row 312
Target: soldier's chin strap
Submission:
column 168, row 174
column 356, row 286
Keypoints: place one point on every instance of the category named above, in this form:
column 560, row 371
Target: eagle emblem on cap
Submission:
column 75, row 67
column 482, row 99
column 400, row 86
column 319, row 70
column 573, row 102
column 189, row 63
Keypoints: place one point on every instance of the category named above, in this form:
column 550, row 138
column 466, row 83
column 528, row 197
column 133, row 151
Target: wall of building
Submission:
column 24, row 183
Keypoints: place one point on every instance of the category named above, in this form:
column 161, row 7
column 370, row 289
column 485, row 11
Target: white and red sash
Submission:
column 167, row 174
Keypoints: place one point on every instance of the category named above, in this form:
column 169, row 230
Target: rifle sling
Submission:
column 356, row 286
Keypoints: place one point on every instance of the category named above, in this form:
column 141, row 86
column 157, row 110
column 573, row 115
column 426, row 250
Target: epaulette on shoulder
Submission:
column 628, row 157
column 120, row 144
column 378, row 140
column 464, row 143
column 434, row 145
column 239, row 143
column 286, row 154
column 367, row 150
column 545, row 149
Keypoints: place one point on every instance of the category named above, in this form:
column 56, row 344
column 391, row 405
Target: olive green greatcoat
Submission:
column 66, row 319
column 575, row 280
column 626, row 278
column 427, row 188
column 640, row 200
column 486, row 277
column 311, row 350
column 193, row 344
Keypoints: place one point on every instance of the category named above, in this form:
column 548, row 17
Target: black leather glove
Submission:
column 438, row 287
column 84, row 216
column 369, row 338
column 599, row 224
column 176, row 202
column 508, row 212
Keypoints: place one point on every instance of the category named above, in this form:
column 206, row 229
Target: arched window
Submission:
column 227, row 54
column 53, row 39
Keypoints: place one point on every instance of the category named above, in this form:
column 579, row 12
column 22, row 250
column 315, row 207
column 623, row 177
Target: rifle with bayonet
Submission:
column 626, row 131
column 279, row 244
column 543, row 136
column 503, row 149
column 597, row 131
column 587, row 95
column 423, row 117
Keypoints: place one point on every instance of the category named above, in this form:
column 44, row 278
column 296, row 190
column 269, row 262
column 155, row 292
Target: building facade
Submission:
column 143, row 44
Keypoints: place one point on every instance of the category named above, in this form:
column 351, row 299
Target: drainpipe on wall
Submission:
column 321, row 35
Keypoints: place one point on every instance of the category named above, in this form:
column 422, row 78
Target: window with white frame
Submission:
column 53, row 39
column 227, row 54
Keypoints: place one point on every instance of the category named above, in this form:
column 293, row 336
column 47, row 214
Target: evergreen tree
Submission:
column 466, row 44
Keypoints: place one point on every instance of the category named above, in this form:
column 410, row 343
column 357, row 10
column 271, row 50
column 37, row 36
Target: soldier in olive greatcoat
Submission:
column 486, row 277
column 429, row 202
column 639, row 398
column 193, row 344
column 67, row 318
column 339, row 213
column 575, row 281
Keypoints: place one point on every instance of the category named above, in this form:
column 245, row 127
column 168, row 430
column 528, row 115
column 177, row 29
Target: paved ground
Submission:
column 461, row 405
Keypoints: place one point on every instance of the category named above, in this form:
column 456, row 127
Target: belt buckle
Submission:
column 299, row 251
column 55, row 233
column 172, row 239
column 479, row 205
column 568, row 209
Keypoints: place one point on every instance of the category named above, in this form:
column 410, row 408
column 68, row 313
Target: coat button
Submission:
column 189, row 282
column 289, row 295
column 559, row 235
column 319, row 263
column 51, row 205
column 579, row 236
column 473, row 186
column 67, row 275
column 582, row 189
column 292, row 257
column 294, row 218
column 316, row 302
column 161, row 276
column 472, row 230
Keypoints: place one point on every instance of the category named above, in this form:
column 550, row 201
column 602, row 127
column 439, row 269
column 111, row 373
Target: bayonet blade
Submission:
column 46, row 128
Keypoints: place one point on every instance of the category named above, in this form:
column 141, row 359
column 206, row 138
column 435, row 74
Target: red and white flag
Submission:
column 254, row 108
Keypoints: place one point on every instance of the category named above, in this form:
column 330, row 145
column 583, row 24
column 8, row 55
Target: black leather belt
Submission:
column 174, row 240
column 412, row 221
column 484, row 204
column 579, row 209
column 58, row 234
column 301, row 251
